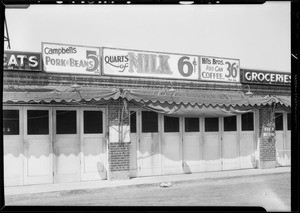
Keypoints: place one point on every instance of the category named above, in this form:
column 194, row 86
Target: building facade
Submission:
column 121, row 121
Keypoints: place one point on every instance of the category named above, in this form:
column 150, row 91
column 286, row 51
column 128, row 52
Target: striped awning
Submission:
column 162, row 97
column 47, row 94
column 204, row 98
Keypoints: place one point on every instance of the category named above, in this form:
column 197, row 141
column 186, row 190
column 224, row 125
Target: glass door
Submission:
column 192, row 145
column 171, row 145
column 66, row 145
column 38, row 163
column 149, row 161
column 93, row 144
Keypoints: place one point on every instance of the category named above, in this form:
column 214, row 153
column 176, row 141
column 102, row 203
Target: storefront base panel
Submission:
column 119, row 175
column 267, row 164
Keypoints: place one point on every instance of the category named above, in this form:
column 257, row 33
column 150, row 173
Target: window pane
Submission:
column 132, row 121
column 37, row 122
column 289, row 121
column 10, row 122
column 191, row 125
column 230, row 123
column 65, row 122
column 211, row 124
column 171, row 124
column 278, row 121
column 247, row 122
column 92, row 122
column 149, row 121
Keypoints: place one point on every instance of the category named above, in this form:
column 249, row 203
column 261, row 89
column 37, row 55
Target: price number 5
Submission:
column 92, row 55
column 232, row 70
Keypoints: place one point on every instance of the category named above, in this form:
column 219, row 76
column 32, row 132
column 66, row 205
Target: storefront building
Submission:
column 76, row 113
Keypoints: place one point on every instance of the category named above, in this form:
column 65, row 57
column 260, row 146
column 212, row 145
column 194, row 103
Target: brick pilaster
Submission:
column 118, row 148
column 267, row 148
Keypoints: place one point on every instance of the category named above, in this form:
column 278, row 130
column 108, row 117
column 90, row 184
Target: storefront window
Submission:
column 66, row 122
column 93, row 122
column 191, row 125
column 10, row 122
column 132, row 122
column 247, row 122
column 230, row 123
column 37, row 122
column 211, row 124
column 278, row 121
column 289, row 121
column 171, row 124
column 149, row 122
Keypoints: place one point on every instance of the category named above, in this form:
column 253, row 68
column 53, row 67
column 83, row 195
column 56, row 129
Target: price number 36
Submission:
column 232, row 70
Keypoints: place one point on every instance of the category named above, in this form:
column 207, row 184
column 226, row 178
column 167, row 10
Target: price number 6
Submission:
column 184, row 61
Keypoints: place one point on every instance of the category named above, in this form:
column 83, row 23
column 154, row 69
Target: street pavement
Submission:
column 269, row 190
column 32, row 189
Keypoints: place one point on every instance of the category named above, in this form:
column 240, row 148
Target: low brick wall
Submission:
column 118, row 151
column 267, row 146
column 118, row 156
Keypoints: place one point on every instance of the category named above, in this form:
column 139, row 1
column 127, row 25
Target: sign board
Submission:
column 16, row 60
column 268, row 131
column 119, row 134
column 134, row 63
column 264, row 77
column 219, row 69
column 74, row 59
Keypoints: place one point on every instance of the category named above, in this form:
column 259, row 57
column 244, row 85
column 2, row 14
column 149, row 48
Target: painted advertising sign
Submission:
column 264, row 77
column 75, row 59
column 219, row 69
column 16, row 60
column 268, row 130
column 134, row 63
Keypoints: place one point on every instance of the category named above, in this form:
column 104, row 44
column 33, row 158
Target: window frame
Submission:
column 20, row 134
column 141, row 123
column 164, row 131
column 77, row 123
column 83, row 123
column 80, row 122
column 215, row 131
column 136, row 120
column 283, row 122
column 38, row 109
column 199, row 125
column 287, row 121
column 236, row 123
column 25, row 127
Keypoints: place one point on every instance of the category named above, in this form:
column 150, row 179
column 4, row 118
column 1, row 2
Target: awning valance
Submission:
column 193, row 110
column 205, row 103
column 205, row 98
column 178, row 102
column 36, row 94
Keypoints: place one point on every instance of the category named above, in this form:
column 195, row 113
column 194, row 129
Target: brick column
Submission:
column 267, row 148
column 119, row 141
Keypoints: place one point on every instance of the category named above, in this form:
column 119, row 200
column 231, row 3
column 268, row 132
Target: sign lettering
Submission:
column 264, row 77
column 119, row 62
column 219, row 69
column 71, row 58
column 13, row 60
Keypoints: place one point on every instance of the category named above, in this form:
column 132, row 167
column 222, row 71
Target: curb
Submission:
column 195, row 180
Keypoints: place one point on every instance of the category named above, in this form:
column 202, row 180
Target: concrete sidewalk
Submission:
column 31, row 189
